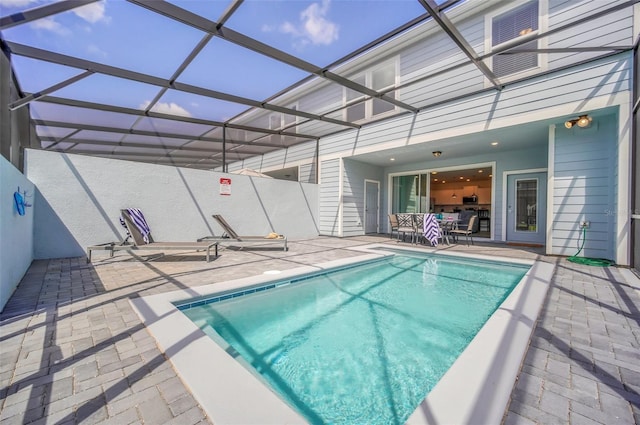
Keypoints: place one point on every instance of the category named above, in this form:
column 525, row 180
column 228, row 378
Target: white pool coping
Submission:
column 476, row 389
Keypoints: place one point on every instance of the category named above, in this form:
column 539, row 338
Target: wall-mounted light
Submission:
column 582, row 121
column 436, row 153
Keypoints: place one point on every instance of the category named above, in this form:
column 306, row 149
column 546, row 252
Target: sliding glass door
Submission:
column 409, row 194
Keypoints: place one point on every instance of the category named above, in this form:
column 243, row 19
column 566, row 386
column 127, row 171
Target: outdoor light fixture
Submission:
column 582, row 121
column 436, row 153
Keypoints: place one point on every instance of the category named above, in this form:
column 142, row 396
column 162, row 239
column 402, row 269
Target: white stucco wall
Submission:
column 80, row 199
column 16, row 240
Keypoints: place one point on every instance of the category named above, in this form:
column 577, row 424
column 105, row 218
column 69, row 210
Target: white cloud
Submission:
column 16, row 3
column 167, row 108
column 314, row 27
column 92, row 12
column 50, row 24
column 96, row 51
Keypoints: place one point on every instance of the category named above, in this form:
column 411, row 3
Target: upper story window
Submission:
column 511, row 26
column 378, row 78
column 286, row 122
column 279, row 121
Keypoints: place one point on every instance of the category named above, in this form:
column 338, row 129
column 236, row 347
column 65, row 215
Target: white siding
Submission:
column 601, row 78
column 353, row 195
column 585, row 189
column 307, row 173
column 616, row 30
column 283, row 158
column 329, row 203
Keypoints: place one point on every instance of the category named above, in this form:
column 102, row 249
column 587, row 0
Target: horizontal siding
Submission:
column 329, row 201
column 437, row 53
column 318, row 128
column 617, row 30
column 423, row 50
column 307, row 173
column 353, row 199
column 604, row 77
column 584, row 189
column 353, row 196
column 459, row 82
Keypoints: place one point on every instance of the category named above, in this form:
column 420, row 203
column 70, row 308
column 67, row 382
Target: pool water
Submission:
column 365, row 344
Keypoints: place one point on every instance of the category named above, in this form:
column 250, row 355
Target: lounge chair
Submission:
column 468, row 232
column 139, row 232
column 232, row 238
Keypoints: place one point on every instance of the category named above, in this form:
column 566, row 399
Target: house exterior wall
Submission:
column 425, row 50
column 523, row 159
column 330, row 207
column 585, row 189
column 302, row 155
column 353, row 195
column 460, row 102
column 307, row 173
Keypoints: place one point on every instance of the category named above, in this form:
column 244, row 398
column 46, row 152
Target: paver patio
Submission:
column 72, row 350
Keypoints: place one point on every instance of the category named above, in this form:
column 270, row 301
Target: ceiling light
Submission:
column 461, row 178
column 480, row 171
column 582, row 121
column 392, row 159
column 494, row 143
column 468, row 180
column 436, row 153
column 454, row 195
column 434, row 172
column 435, row 180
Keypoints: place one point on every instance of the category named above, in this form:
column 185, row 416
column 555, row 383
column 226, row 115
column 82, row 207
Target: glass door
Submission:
column 409, row 194
column 526, row 208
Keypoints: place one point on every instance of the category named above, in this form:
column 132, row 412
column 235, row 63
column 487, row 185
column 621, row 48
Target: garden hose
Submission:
column 601, row 262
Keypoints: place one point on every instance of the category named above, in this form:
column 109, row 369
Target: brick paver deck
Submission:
column 72, row 350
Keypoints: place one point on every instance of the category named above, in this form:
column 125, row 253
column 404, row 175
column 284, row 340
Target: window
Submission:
column 513, row 25
column 357, row 111
column 409, row 194
column 280, row 121
column 379, row 79
column 526, row 205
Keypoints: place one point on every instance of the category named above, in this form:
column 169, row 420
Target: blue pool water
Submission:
column 364, row 344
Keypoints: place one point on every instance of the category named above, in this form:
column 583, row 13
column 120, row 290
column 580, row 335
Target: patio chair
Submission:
column 232, row 238
column 468, row 232
column 406, row 226
column 393, row 225
column 139, row 232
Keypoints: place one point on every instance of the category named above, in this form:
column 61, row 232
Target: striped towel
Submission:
column 431, row 229
column 138, row 219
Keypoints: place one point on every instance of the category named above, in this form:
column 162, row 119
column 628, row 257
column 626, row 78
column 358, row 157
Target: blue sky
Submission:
column 120, row 34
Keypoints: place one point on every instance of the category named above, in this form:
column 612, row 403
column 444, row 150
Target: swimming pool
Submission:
column 229, row 393
column 362, row 344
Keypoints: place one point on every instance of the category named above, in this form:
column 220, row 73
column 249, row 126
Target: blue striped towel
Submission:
column 431, row 229
column 138, row 219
